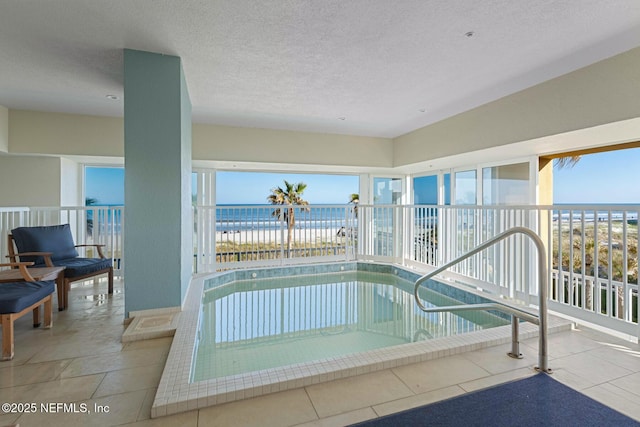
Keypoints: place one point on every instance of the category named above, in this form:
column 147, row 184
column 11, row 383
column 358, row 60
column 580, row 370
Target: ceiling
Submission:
column 360, row 67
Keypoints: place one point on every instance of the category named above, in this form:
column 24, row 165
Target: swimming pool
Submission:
column 182, row 387
column 258, row 324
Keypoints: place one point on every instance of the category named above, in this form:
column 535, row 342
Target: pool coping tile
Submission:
column 177, row 393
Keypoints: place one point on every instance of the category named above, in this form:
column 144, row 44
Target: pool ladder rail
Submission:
column 516, row 313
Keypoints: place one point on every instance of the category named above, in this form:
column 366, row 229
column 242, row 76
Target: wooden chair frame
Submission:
column 63, row 297
column 7, row 319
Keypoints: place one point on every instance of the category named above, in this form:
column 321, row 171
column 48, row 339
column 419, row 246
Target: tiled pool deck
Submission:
column 176, row 392
column 83, row 360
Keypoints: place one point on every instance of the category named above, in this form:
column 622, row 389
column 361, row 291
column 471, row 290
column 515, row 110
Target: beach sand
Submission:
column 299, row 236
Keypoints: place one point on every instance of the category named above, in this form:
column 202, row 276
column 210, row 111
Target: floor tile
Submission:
column 439, row 373
column 629, row 383
column 114, row 361
column 348, row 394
column 622, row 355
column 497, row 379
column 114, row 410
column 131, row 379
column 31, row 373
column 68, row 389
column 616, row 398
column 24, row 351
column 70, row 349
column 280, row 409
column 599, row 370
column 154, row 343
column 417, row 400
column 184, row 419
column 59, row 390
column 145, row 410
column 23, row 393
column 602, row 337
column 495, row 359
column 565, row 343
column 345, row 419
column 572, row 379
column 8, row 419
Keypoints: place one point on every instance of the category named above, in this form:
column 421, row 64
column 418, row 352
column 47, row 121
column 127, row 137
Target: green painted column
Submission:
column 158, row 229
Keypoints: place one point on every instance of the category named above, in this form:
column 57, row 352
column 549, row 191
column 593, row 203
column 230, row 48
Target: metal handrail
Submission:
column 540, row 320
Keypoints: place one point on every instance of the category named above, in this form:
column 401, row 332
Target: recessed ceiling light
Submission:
column 113, row 97
column 422, row 110
column 469, row 33
column 342, row 118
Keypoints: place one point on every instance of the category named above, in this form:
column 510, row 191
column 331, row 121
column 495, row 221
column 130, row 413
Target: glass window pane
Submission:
column 425, row 190
column 506, row 185
column 104, row 186
column 465, row 188
column 387, row 191
column 447, row 188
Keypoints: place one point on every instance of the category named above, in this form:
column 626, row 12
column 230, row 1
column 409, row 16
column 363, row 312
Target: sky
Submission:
column 610, row 177
column 105, row 184
column 255, row 187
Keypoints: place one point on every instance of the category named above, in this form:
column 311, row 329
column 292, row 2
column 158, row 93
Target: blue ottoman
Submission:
column 16, row 300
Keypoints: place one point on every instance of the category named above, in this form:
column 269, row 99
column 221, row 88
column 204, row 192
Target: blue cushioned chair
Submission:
column 19, row 298
column 54, row 246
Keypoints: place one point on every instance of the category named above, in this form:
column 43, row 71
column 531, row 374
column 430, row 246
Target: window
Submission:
column 104, row 186
column 465, row 188
column 427, row 190
column 506, row 185
column 387, row 191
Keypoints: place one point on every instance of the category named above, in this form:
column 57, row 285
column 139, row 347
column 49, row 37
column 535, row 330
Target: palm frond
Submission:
column 566, row 162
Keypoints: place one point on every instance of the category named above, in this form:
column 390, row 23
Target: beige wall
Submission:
column 224, row 143
column 605, row 92
column 4, row 129
column 30, row 181
column 68, row 134
column 34, row 132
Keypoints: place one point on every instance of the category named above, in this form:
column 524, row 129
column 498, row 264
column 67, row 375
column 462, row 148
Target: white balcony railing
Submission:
column 592, row 251
column 89, row 225
column 233, row 236
column 600, row 239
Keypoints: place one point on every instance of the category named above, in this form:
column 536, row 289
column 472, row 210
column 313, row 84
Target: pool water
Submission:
column 254, row 325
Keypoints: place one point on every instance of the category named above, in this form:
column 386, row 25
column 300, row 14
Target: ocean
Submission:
column 252, row 217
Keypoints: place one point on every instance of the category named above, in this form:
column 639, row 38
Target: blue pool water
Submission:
column 261, row 323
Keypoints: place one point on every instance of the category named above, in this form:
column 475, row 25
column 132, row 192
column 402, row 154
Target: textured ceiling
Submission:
column 362, row 67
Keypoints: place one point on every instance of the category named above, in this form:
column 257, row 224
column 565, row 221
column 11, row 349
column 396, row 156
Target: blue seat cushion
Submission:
column 16, row 296
column 76, row 267
column 56, row 239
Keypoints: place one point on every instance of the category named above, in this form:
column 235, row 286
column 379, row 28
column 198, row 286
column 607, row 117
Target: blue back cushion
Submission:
column 56, row 239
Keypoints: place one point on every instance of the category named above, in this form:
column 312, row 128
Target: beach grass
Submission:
column 607, row 246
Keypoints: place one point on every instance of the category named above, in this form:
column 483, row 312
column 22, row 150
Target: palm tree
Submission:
column 289, row 196
column 90, row 201
column 568, row 162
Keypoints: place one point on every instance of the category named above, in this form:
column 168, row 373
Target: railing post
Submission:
column 515, row 340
